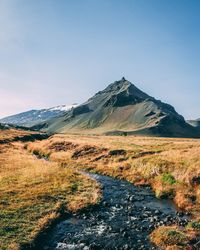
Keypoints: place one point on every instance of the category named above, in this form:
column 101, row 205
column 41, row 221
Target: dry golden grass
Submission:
column 34, row 193
column 10, row 134
column 147, row 160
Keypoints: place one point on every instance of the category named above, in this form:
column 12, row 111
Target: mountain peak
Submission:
column 118, row 85
column 125, row 88
column 123, row 79
column 118, row 94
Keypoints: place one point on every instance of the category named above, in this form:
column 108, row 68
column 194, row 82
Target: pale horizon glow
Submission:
column 63, row 52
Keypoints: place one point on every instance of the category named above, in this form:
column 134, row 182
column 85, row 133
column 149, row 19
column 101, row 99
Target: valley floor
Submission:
column 169, row 166
column 41, row 181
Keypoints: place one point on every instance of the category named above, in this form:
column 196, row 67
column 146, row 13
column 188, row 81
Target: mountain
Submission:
column 122, row 108
column 33, row 117
column 194, row 123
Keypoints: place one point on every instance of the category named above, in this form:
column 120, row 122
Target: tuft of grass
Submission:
column 169, row 236
column 178, row 248
column 163, row 185
column 185, row 198
column 194, row 225
column 168, row 178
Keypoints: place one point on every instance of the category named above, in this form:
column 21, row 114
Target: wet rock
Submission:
column 151, row 219
column 155, row 218
column 95, row 246
column 187, row 213
column 104, row 203
column 125, row 234
column 126, row 247
column 157, row 212
column 180, row 214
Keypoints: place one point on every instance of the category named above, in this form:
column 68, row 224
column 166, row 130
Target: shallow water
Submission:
column 122, row 220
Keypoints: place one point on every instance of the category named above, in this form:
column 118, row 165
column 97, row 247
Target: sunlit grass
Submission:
column 34, row 193
column 167, row 164
column 9, row 134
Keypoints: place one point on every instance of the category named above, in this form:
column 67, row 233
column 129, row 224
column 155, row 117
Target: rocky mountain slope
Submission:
column 33, row 117
column 122, row 108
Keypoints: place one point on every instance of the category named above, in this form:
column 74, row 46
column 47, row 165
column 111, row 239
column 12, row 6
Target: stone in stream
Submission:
column 157, row 212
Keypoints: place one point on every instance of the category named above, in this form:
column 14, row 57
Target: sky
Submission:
column 55, row 52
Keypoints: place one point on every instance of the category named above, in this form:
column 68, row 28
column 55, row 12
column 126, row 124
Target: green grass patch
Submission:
column 194, row 225
column 168, row 178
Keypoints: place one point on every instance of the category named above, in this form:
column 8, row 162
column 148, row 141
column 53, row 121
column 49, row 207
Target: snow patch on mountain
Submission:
column 64, row 107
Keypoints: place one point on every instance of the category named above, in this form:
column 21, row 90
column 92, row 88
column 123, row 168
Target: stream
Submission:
column 123, row 219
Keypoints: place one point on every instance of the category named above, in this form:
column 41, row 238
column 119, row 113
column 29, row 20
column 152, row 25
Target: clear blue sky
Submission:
column 63, row 51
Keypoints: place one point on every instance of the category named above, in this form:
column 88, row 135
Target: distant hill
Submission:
column 33, row 117
column 194, row 123
column 122, row 108
column 3, row 126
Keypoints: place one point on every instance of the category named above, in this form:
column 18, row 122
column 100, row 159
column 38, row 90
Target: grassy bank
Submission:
column 12, row 134
column 34, row 193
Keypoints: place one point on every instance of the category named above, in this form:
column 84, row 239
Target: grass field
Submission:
column 170, row 166
column 34, row 193
column 40, row 181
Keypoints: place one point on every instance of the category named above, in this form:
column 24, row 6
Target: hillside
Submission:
column 32, row 117
column 122, row 108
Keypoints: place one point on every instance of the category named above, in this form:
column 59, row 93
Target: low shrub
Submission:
column 167, row 178
column 164, row 186
column 194, row 225
column 169, row 236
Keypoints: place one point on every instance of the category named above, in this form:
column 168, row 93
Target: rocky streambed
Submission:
column 122, row 220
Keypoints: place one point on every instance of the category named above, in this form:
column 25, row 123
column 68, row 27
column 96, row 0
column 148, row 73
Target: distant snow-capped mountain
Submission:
column 194, row 123
column 32, row 117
